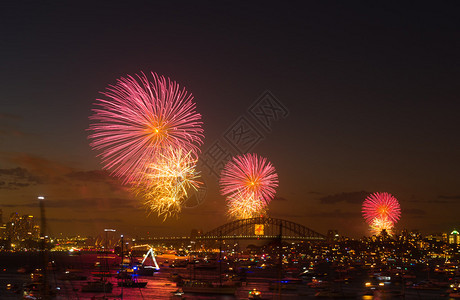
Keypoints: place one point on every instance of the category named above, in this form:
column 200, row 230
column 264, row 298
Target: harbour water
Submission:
column 15, row 269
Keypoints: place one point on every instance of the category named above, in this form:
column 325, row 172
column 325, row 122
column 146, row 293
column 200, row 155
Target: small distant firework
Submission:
column 381, row 211
column 139, row 120
column 167, row 182
column 249, row 182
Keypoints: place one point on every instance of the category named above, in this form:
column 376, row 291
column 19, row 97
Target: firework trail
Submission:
column 140, row 119
column 249, row 182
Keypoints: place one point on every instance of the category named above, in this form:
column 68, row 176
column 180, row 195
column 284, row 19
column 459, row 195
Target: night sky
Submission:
column 371, row 89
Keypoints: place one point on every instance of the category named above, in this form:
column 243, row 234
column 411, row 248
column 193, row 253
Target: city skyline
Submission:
column 368, row 99
column 22, row 232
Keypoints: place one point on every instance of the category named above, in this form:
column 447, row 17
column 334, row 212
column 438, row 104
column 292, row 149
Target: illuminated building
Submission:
column 454, row 237
column 21, row 228
column 332, row 235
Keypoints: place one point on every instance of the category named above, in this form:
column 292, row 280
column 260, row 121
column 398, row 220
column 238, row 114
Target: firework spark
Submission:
column 167, row 182
column 141, row 119
column 249, row 182
column 381, row 206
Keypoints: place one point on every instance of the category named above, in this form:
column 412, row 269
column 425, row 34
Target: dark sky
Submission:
column 371, row 88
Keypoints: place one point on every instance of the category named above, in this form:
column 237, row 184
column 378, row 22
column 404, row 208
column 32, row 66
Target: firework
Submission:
column 249, row 174
column 381, row 223
column 167, row 182
column 381, row 206
column 249, row 182
column 140, row 119
column 244, row 207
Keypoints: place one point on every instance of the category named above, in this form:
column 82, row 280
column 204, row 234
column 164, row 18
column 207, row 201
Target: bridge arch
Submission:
column 271, row 227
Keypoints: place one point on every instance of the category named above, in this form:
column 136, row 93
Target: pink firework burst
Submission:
column 251, row 176
column 140, row 119
column 381, row 206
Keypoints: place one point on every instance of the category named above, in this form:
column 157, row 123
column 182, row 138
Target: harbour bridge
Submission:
column 253, row 228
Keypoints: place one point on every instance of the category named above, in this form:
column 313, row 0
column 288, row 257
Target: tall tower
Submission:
column 454, row 237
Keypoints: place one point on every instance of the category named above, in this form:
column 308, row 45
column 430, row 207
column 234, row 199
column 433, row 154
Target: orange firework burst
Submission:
column 381, row 223
column 167, row 182
column 244, row 207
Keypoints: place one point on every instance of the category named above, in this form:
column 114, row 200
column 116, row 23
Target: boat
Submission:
column 283, row 284
column 292, row 280
column 72, row 275
column 255, row 294
column 127, row 275
column 102, row 284
column 454, row 287
column 99, row 286
column 177, row 292
column 36, row 290
column 145, row 270
column 425, row 285
column 174, row 277
column 178, row 264
column 204, row 287
column 131, row 282
column 439, row 283
column 287, row 283
column 25, row 270
column 124, row 274
column 319, row 284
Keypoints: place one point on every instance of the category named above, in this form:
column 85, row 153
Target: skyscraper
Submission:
column 454, row 237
